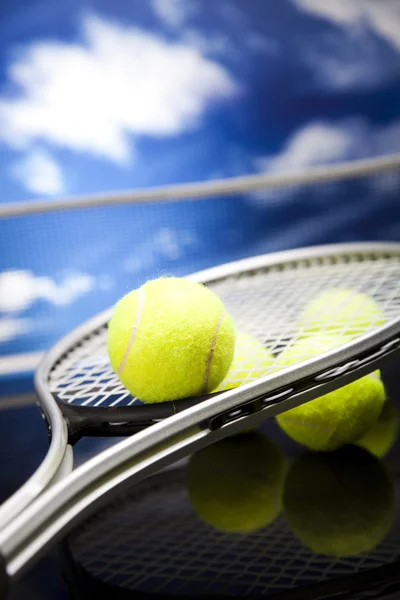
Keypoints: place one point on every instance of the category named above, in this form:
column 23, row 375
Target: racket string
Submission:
column 266, row 303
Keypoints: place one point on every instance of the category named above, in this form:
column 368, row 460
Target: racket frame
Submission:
column 53, row 511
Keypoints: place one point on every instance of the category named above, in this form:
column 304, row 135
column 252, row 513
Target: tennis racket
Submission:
column 79, row 394
column 149, row 543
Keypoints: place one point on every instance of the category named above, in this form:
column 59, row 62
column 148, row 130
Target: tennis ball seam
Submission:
column 138, row 317
column 332, row 434
column 375, row 375
column 211, row 351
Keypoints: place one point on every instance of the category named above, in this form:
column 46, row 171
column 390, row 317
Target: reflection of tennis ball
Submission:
column 339, row 417
column 172, row 338
column 339, row 503
column 236, row 484
column 382, row 435
column 341, row 311
column 250, row 361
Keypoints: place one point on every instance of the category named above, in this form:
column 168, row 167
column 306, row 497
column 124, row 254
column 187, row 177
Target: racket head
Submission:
column 266, row 296
column 149, row 542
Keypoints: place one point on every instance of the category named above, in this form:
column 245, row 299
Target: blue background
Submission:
column 99, row 97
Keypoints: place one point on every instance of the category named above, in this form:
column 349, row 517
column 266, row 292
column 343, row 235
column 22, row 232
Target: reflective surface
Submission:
column 154, row 540
column 158, row 540
column 252, row 515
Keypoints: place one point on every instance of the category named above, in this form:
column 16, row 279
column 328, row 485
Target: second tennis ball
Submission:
column 339, row 503
column 383, row 433
column 340, row 311
column 339, row 417
column 236, row 484
column 170, row 339
column 251, row 360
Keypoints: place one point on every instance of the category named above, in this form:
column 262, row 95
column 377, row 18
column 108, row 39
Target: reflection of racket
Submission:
column 79, row 395
column 150, row 543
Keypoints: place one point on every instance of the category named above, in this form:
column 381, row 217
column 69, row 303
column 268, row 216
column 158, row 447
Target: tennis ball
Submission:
column 341, row 311
column 339, row 417
column 382, row 435
column 250, row 361
column 339, row 503
column 305, row 348
column 236, row 484
column 172, row 338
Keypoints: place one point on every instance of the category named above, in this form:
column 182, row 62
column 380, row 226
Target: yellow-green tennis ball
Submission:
column 383, row 433
column 339, row 417
column 340, row 311
column 172, row 338
column 251, row 360
column 236, row 484
column 307, row 347
column 339, row 503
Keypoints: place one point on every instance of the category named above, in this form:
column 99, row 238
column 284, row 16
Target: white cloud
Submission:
column 20, row 289
column 321, row 142
column 173, row 13
column 134, row 263
column 341, row 11
column 39, row 173
column 326, row 142
column 167, row 243
column 348, row 56
column 217, row 44
column 172, row 243
column 343, row 61
column 385, row 16
column 12, row 328
column 382, row 16
column 316, row 143
column 119, row 81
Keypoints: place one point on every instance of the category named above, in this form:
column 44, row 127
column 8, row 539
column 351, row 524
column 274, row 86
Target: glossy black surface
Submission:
column 84, row 566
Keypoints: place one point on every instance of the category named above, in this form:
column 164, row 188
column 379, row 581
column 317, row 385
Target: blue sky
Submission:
column 100, row 96
column 90, row 91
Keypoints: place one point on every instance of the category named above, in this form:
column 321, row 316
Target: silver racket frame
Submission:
column 41, row 511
